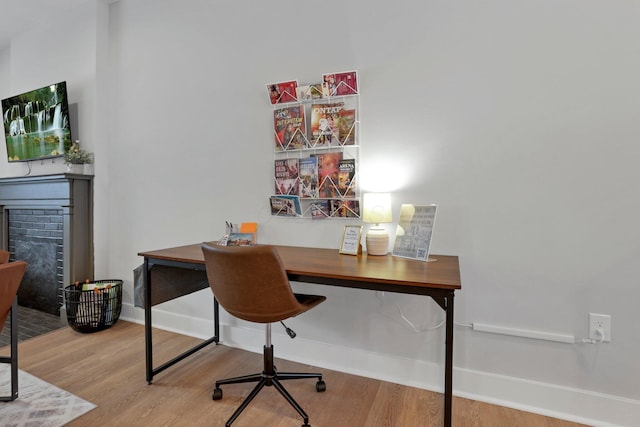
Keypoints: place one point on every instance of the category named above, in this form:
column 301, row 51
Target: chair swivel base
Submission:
column 269, row 377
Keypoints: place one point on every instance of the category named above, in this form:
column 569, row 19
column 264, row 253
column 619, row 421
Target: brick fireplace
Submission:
column 35, row 236
column 47, row 222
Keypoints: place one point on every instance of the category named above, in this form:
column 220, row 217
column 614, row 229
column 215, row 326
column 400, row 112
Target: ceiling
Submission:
column 18, row 16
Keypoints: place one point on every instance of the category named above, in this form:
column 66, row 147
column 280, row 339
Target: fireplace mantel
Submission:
column 47, row 220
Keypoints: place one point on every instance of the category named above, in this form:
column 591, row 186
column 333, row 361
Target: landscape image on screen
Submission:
column 36, row 123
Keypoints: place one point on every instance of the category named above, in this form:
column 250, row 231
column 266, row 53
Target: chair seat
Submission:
column 251, row 283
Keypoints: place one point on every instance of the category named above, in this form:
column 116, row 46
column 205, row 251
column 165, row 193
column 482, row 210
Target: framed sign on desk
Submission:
column 351, row 240
column 415, row 228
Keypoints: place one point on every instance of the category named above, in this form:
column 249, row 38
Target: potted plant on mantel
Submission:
column 78, row 160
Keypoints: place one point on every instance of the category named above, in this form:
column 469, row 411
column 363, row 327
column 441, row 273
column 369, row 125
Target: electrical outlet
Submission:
column 599, row 322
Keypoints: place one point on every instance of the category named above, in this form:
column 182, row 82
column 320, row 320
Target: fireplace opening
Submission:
column 36, row 236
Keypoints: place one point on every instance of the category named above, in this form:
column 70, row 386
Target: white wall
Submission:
column 49, row 54
column 518, row 118
column 4, row 71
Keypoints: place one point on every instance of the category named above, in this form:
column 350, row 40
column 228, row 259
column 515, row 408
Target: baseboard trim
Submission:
column 576, row 405
column 571, row 404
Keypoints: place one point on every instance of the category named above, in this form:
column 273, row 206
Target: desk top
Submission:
column 328, row 266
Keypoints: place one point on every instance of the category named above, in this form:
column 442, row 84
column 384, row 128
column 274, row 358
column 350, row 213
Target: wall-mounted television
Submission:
column 36, row 123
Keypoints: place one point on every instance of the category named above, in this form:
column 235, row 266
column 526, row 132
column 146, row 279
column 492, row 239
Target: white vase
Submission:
column 88, row 169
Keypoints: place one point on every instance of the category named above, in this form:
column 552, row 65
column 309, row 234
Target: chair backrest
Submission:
column 251, row 283
column 10, row 277
column 4, row 257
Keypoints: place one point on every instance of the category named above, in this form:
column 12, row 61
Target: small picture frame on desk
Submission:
column 351, row 240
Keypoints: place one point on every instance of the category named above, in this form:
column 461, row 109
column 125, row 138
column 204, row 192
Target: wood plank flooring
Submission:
column 107, row 368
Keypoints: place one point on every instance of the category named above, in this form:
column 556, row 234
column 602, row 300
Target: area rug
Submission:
column 39, row 403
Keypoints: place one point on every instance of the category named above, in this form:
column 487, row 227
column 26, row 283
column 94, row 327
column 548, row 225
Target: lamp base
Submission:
column 377, row 241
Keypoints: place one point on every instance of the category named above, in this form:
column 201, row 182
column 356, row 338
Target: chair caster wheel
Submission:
column 217, row 394
column 321, row 386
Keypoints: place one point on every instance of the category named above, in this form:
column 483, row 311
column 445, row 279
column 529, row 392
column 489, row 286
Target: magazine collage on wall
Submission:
column 316, row 147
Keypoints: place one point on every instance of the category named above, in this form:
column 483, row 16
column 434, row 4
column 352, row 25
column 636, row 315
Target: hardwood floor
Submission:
column 107, row 368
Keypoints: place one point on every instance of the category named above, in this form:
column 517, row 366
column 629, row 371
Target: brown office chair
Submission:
column 4, row 257
column 250, row 283
column 10, row 277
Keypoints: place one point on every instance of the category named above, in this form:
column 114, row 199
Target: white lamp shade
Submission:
column 376, row 208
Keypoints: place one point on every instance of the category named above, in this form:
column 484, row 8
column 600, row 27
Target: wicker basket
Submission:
column 93, row 309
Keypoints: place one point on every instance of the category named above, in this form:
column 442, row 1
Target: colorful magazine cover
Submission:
column 240, row 239
column 324, row 124
column 320, row 209
column 311, row 91
column 283, row 205
column 346, row 177
column 286, row 176
column 308, row 177
column 282, row 92
column 289, row 128
column 328, row 168
column 347, row 127
column 340, row 84
column 344, row 208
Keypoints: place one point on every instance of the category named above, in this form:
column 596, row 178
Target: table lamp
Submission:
column 377, row 210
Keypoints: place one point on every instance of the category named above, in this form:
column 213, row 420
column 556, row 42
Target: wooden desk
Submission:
column 438, row 279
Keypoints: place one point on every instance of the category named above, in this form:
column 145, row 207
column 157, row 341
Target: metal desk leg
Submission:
column 148, row 345
column 148, row 336
column 448, row 364
column 216, row 319
column 445, row 301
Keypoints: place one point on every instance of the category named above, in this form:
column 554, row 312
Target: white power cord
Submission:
column 600, row 333
column 414, row 327
column 410, row 323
